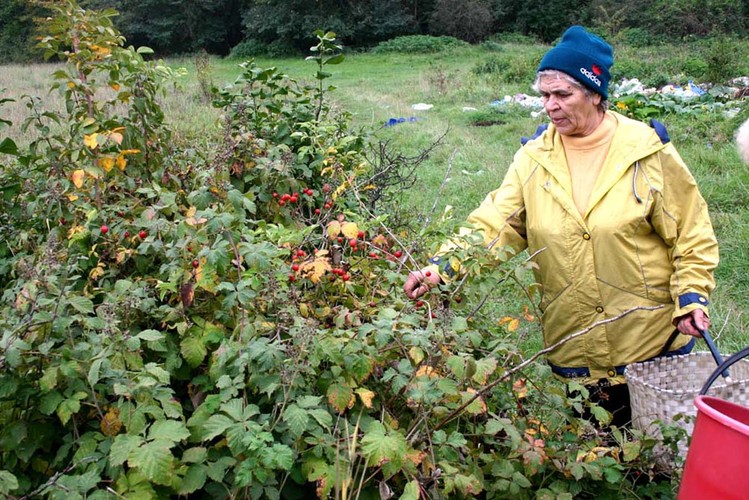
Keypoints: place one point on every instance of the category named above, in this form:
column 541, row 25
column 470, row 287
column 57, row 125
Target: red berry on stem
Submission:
column 361, row 235
column 398, row 254
column 126, row 234
column 104, row 229
column 317, row 211
column 345, row 277
column 428, row 274
column 301, row 253
column 295, row 267
column 292, row 278
column 373, row 255
column 275, row 195
column 142, row 234
column 294, row 198
column 352, row 242
column 196, row 263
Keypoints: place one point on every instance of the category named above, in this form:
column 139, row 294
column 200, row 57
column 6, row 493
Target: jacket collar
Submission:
column 632, row 141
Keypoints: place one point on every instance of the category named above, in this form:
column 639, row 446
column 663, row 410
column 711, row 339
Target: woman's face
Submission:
column 571, row 110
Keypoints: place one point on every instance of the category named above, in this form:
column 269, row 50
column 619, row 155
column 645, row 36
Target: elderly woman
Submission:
column 617, row 221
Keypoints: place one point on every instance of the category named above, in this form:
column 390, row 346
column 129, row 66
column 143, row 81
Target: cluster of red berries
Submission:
column 337, row 271
column 142, row 234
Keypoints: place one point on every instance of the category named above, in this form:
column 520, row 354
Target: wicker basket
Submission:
column 661, row 388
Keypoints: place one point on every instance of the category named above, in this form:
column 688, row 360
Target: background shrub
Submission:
column 419, row 44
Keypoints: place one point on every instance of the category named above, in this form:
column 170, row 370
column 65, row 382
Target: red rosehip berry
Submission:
column 361, row 235
column 428, row 274
column 418, row 304
column 373, row 255
column 142, row 234
column 317, row 211
column 345, row 277
column 327, row 206
column 326, row 188
column 398, row 254
column 301, row 253
column 282, row 203
column 292, row 278
column 275, row 195
column 294, row 198
column 126, row 234
column 352, row 242
column 285, row 197
column 196, row 263
column 104, row 229
column 295, row 267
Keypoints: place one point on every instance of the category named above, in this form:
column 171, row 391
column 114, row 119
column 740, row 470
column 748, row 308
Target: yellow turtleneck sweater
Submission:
column 585, row 158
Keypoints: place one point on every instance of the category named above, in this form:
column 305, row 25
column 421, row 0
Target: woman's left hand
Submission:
column 693, row 323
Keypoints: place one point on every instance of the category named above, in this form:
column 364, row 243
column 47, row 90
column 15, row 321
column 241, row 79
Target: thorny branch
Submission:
column 455, row 413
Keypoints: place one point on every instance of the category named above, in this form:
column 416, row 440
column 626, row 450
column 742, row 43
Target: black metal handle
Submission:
column 714, row 350
column 724, row 367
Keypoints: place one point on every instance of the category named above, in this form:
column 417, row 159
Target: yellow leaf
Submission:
column 96, row 272
column 416, row 354
column 426, row 371
column 90, row 140
column 121, row 162
column 350, row 229
column 72, row 197
column 77, row 177
column 107, row 163
column 111, row 423
column 115, row 86
column 315, row 269
column 512, row 323
column 71, row 85
column 366, row 396
column 334, row 229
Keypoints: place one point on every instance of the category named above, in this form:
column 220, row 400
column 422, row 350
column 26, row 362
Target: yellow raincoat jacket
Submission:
column 645, row 240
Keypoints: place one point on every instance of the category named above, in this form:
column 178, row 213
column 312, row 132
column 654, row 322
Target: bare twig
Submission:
column 455, row 413
column 51, row 481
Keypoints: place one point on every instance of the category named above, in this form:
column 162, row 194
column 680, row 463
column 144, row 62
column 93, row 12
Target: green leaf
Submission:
column 49, row 379
column 50, row 402
column 8, row 147
column 217, row 470
column 296, row 418
column 380, row 446
column 8, row 482
column 67, row 408
column 215, row 426
column 193, row 350
column 281, row 457
column 121, row 447
column 337, row 59
column 195, row 455
column 631, row 450
column 194, row 479
column 81, row 304
column 169, row 430
column 484, row 368
column 322, row 417
column 340, row 396
column 411, row 491
column 150, row 335
column 154, row 460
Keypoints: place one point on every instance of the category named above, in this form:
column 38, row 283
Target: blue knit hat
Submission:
column 583, row 56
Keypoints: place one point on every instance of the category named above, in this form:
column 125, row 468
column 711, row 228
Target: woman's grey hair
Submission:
column 602, row 106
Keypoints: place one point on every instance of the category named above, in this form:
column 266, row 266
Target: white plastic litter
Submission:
column 422, row 106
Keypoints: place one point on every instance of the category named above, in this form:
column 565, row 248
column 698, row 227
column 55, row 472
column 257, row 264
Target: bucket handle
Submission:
column 723, row 366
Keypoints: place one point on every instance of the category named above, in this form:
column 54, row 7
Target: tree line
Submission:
column 279, row 27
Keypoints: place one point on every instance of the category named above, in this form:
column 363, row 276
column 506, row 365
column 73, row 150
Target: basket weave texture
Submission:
column 661, row 388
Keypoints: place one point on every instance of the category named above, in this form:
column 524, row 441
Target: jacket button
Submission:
column 599, row 309
column 586, row 236
column 612, row 373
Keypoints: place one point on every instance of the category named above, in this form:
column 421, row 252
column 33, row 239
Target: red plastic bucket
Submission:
column 718, row 460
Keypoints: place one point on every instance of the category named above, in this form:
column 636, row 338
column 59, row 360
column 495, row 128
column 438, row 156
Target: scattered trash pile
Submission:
column 688, row 94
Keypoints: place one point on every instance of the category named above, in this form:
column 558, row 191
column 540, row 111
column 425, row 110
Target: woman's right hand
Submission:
column 419, row 282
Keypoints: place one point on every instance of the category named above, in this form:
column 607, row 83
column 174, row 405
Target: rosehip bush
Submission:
column 169, row 328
